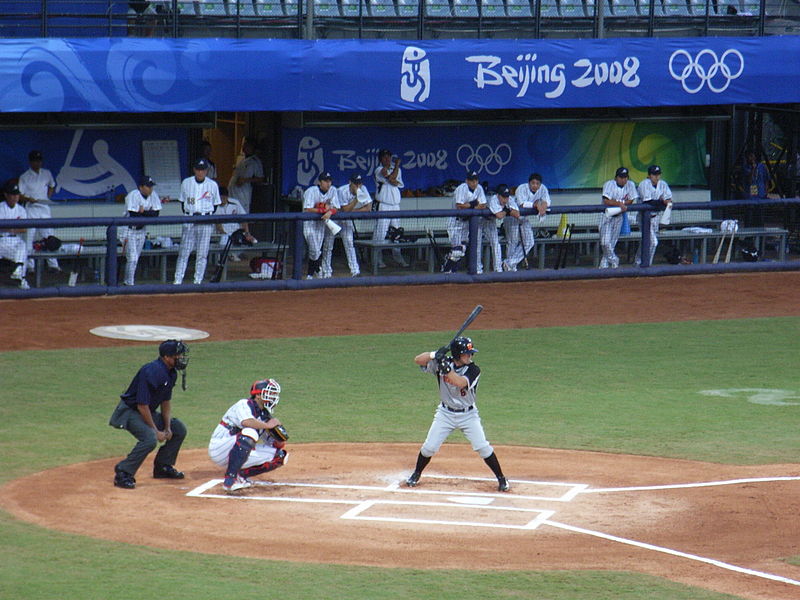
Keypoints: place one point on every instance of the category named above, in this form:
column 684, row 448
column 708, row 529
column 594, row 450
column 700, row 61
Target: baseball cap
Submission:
column 472, row 174
column 147, row 180
column 200, row 163
column 356, row 178
column 11, row 188
column 325, row 175
column 653, row 170
column 35, row 155
column 622, row 172
column 171, row 348
column 503, row 190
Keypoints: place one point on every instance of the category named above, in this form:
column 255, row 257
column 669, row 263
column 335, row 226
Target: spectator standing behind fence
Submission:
column 388, row 183
column 655, row 192
column 36, row 187
column 618, row 194
column 248, row 170
column 231, row 206
column 351, row 197
column 199, row 196
column 12, row 246
column 468, row 195
column 319, row 199
column 756, row 182
column 533, row 194
column 141, row 202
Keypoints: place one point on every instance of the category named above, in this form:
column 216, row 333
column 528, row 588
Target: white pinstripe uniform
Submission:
column 525, row 198
column 458, row 229
column 197, row 198
column 36, row 185
column 315, row 231
column 388, row 197
column 247, row 167
column 134, row 237
column 660, row 192
column 12, row 245
column 610, row 226
column 233, row 207
column 344, row 196
column 488, row 229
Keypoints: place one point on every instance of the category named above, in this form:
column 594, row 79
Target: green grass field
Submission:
column 627, row 388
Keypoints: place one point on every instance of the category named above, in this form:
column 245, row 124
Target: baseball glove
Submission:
column 279, row 433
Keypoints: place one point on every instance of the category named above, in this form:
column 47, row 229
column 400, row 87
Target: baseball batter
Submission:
column 618, row 194
column 655, row 192
column 320, row 199
column 141, row 202
column 12, row 246
column 248, row 440
column 467, row 195
column 36, row 187
column 388, row 183
column 457, row 377
column 199, row 196
column 533, row 194
column 352, row 197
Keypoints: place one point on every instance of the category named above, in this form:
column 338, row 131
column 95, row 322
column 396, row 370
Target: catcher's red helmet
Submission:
column 268, row 390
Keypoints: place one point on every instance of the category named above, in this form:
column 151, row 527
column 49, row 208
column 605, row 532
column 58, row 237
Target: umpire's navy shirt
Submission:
column 151, row 386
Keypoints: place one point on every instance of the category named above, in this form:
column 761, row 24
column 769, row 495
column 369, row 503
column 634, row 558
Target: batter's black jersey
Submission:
column 452, row 396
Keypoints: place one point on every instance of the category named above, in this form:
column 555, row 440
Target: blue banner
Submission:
column 567, row 155
column 187, row 75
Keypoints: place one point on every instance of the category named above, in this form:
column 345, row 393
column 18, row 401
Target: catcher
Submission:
column 248, row 440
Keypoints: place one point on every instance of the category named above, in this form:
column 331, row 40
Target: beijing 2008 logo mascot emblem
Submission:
column 415, row 75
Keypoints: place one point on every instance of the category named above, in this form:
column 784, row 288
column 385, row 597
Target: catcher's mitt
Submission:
column 279, row 433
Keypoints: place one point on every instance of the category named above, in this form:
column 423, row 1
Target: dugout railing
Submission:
column 106, row 253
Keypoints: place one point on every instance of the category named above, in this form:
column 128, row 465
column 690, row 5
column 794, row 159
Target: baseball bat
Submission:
column 719, row 248
column 522, row 243
column 435, row 247
column 472, row 316
column 730, row 246
column 73, row 275
column 222, row 260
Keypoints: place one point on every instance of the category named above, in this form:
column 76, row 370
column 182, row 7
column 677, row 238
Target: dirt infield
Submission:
column 566, row 509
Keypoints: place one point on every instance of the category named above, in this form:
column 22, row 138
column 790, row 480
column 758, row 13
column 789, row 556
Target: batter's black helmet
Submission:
column 461, row 345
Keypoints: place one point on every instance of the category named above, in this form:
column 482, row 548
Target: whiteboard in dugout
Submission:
column 161, row 161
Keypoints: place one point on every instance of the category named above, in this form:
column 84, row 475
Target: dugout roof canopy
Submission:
column 194, row 75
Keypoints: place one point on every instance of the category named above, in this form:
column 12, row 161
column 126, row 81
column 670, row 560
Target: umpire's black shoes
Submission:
column 124, row 480
column 502, row 484
column 413, row 479
column 166, row 472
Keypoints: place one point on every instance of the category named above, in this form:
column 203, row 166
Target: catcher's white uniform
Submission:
column 36, row 185
column 610, row 226
column 224, row 436
column 197, row 198
column 524, row 238
column 12, row 246
column 343, row 198
column 133, row 236
column 659, row 192
column 315, row 231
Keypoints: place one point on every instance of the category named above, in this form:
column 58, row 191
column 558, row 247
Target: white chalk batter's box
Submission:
column 396, row 503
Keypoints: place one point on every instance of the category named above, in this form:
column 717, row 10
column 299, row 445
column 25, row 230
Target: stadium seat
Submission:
column 269, row 8
column 697, row 8
column 493, row 8
column 291, row 7
column 407, row 8
column 327, row 8
column 658, row 8
column 245, row 8
column 351, row 9
column 465, row 8
column 382, row 8
column 676, row 8
column 437, row 8
column 624, row 8
column 518, row 8
column 549, row 8
column 212, row 8
column 573, row 8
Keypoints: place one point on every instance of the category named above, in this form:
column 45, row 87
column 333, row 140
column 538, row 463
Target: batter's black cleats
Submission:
column 413, row 479
column 503, row 485
column 124, row 480
column 166, row 472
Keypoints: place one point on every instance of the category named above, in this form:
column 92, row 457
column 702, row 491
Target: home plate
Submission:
column 470, row 500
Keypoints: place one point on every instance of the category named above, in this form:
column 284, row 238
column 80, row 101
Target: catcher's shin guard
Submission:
column 280, row 459
column 239, row 453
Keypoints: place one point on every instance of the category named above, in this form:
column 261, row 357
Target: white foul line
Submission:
column 687, row 485
column 710, row 561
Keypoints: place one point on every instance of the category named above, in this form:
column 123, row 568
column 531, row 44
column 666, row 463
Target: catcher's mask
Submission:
column 461, row 345
column 177, row 349
column 268, row 390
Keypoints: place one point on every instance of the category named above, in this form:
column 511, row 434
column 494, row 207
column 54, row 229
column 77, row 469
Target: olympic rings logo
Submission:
column 706, row 68
column 484, row 157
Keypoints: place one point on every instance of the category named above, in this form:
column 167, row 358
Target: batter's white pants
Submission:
column 134, row 242
column 382, row 226
column 13, row 248
column 193, row 237
column 655, row 222
column 37, row 210
column 349, row 249
column 518, row 246
column 488, row 229
column 446, row 422
column 219, row 449
column 609, row 235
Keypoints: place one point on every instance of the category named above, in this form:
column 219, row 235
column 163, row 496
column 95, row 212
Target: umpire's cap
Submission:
column 622, row 172
column 171, row 348
column 654, row 170
column 461, row 345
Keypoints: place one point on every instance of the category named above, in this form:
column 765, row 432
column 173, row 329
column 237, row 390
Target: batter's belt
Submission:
column 457, row 410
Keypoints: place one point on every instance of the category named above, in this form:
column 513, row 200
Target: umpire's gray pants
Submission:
column 128, row 418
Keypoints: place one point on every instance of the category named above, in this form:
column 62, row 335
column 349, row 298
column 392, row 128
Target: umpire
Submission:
column 137, row 412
